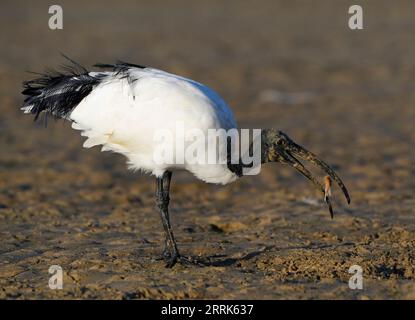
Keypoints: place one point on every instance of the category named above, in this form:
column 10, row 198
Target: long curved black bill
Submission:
column 290, row 159
column 303, row 153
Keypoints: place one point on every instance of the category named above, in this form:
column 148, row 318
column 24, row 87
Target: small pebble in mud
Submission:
column 25, row 187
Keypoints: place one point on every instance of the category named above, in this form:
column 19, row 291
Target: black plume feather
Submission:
column 58, row 93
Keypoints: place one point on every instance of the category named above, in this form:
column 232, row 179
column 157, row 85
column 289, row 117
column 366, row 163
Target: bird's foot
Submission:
column 186, row 261
column 191, row 261
column 170, row 262
column 166, row 256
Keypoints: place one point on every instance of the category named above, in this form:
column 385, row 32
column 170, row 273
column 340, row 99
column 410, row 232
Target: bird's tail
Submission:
column 58, row 93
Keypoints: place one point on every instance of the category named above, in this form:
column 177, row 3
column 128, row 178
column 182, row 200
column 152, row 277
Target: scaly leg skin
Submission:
column 170, row 253
column 166, row 251
column 166, row 190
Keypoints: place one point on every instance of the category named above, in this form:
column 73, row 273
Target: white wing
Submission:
column 123, row 113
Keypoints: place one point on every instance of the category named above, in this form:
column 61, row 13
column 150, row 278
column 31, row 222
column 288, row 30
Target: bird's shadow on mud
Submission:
column 224, row 261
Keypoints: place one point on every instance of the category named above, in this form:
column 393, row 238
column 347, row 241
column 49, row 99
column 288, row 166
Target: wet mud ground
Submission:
column 346, row 95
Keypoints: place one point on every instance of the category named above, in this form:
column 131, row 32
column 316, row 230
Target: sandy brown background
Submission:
column 347, row 95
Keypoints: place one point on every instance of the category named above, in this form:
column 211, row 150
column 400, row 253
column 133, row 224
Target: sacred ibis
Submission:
column 123, row 106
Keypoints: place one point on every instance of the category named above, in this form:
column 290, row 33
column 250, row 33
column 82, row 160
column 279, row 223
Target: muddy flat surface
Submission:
column 346, row 95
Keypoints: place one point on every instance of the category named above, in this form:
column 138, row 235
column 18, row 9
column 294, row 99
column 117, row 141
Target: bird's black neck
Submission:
column 239, row 166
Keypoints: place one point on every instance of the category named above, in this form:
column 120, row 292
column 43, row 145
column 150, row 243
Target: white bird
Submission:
column 123, row 110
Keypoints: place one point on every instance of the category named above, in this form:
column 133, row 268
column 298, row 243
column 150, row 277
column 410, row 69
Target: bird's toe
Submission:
column 170, row 262
column 184, row 261
column 191, row 261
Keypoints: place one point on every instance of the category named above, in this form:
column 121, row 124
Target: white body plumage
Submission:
column 123, row 116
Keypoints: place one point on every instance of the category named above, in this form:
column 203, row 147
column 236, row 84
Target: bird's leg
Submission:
column 162, row 201
column 170, row 253
column 166, row 190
